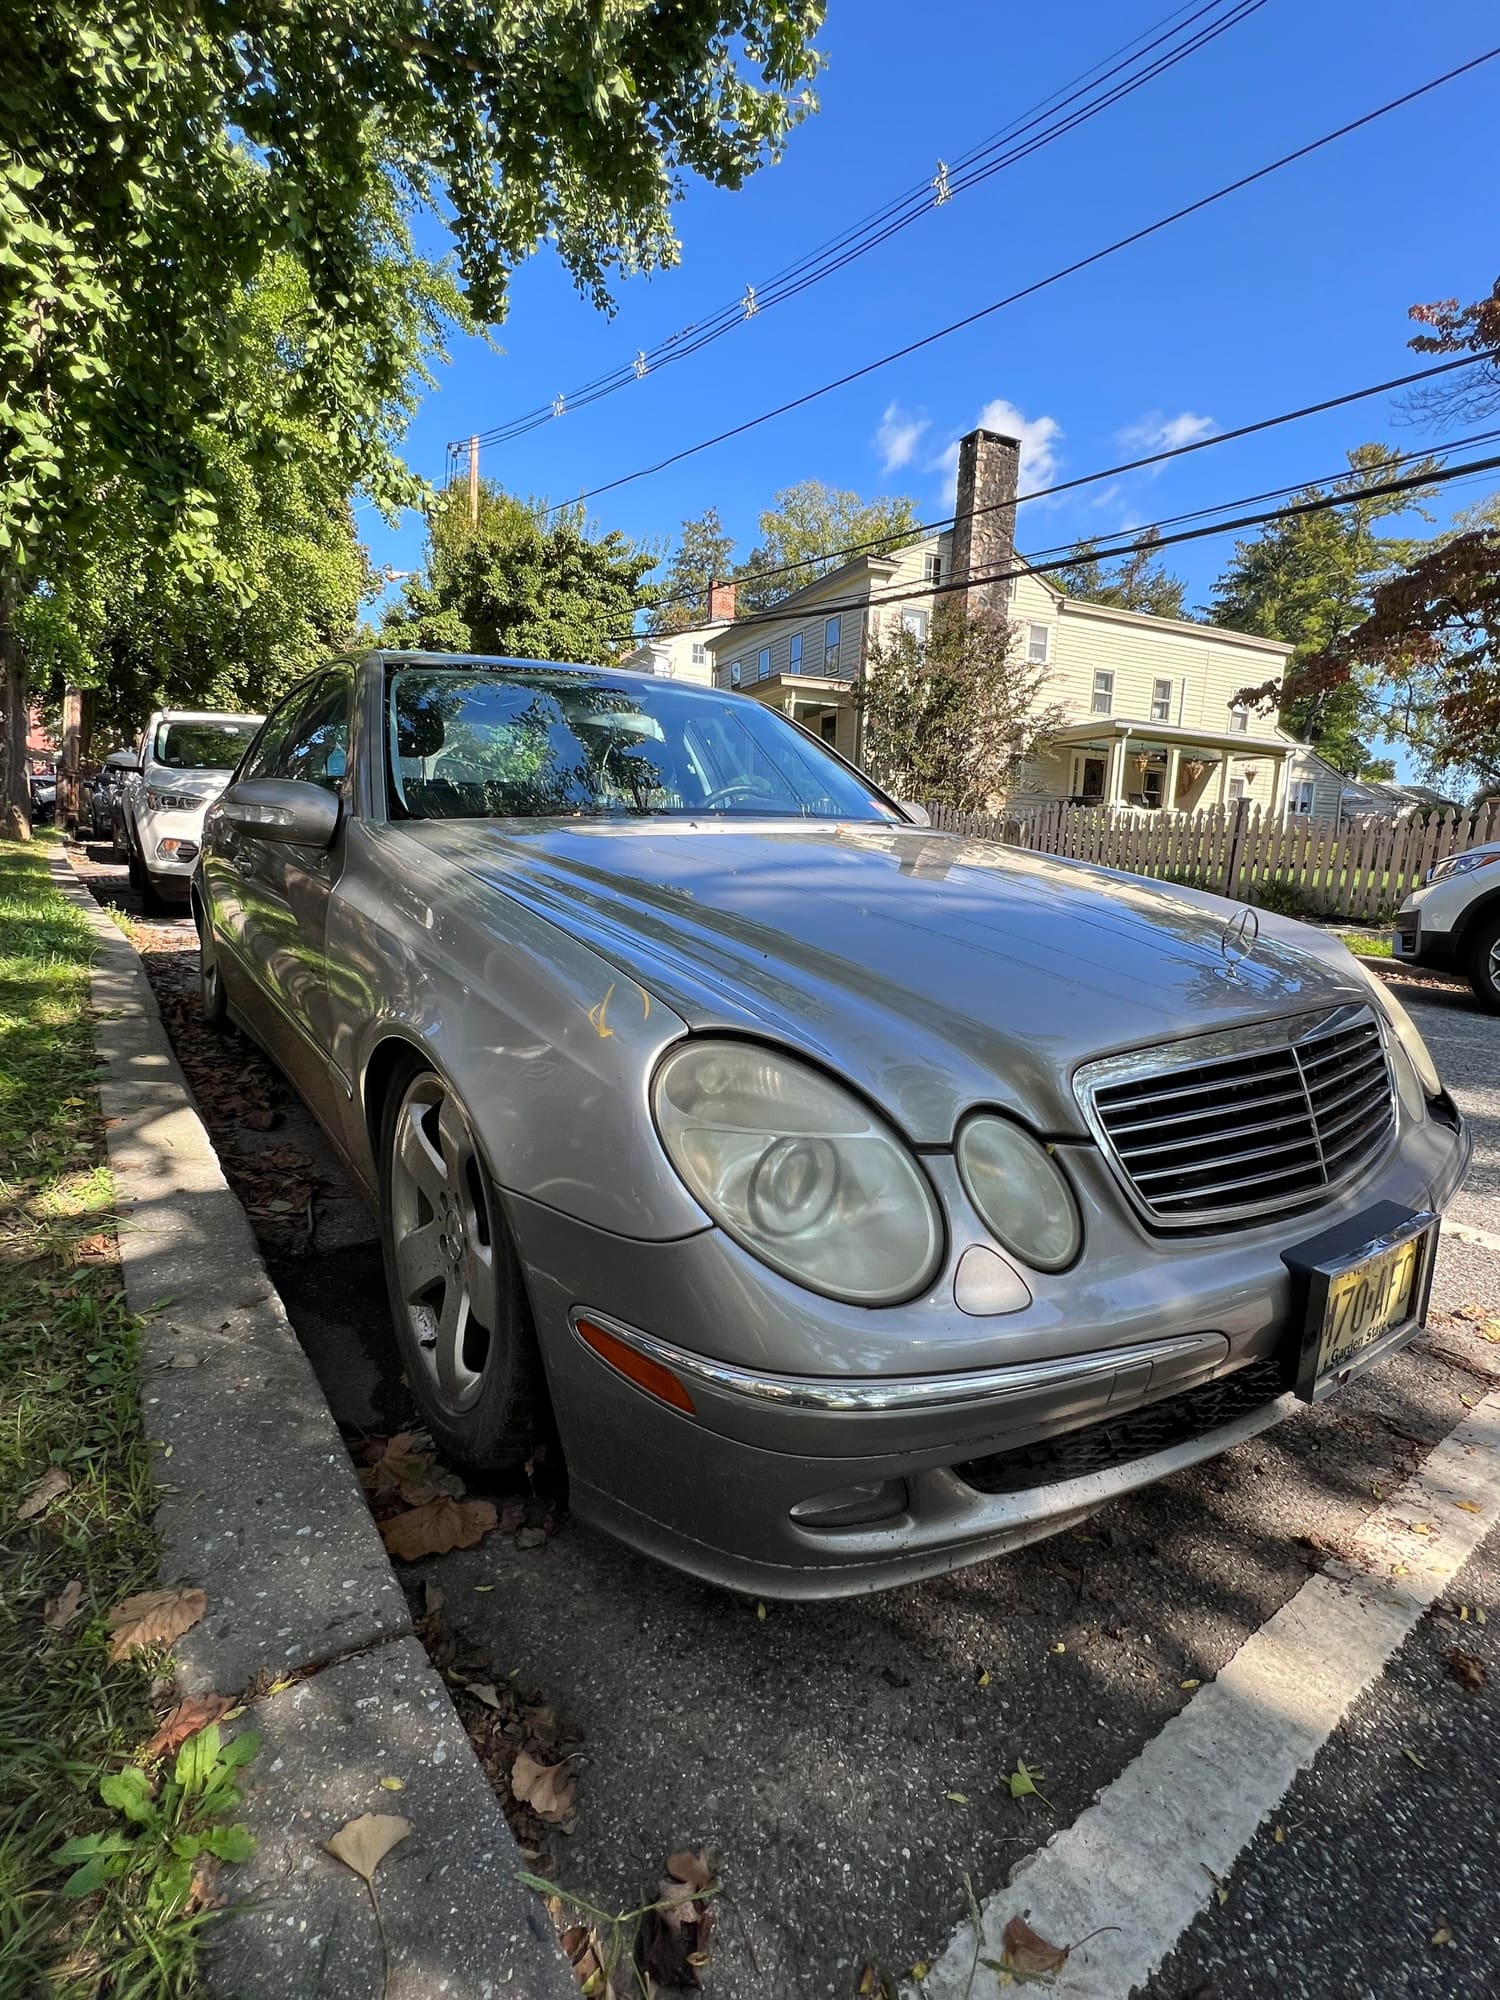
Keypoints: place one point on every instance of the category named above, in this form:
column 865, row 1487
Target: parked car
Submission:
column 99, row 795
column 859, row 1201
column 42, row 786
column 1452, row 922
column 185, row 760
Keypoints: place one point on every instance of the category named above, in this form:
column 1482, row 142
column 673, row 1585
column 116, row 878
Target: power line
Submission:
column 919, row 528
column 1019, row 566
column 1039, row 284
column 979, row 164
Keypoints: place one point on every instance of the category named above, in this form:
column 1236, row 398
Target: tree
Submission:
column 288, row 573
column 522, row 582
column 154, row 162
column 1307, row 580
column 1469, row 394
column 1137, row 582
column 804, row 522
column 1430, row 647
column 956, row 720
column 703, row 554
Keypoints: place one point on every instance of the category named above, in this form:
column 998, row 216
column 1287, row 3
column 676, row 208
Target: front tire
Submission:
column 1483, row 962
column 457, row 1296
column 212, row 998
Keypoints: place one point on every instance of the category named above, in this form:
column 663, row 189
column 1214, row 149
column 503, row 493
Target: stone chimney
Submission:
column 720, row 602
column 984, row 518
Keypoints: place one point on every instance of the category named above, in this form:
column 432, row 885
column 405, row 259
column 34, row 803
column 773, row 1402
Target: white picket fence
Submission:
column 1359, row 870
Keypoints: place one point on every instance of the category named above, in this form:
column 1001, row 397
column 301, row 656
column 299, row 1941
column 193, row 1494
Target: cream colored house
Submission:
column 676, row 656
column 1150, row 714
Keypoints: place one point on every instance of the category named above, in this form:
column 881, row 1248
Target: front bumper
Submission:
column 170, row 843
column 808, row 1413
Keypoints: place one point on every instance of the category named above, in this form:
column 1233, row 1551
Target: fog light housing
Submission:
column 853, row 1506
column 176, row 850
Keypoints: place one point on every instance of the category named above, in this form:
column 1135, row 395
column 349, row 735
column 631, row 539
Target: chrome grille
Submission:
column 1260, row 1120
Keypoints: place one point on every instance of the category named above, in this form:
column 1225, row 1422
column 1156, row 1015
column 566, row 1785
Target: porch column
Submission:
column 1278, row 785
column 1174, row 759
column 1114, row 775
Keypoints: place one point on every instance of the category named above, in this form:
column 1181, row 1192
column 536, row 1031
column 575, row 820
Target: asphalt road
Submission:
column 849, row 1761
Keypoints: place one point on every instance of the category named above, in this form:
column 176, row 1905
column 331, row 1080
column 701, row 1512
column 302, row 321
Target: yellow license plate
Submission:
column 1367, row 1301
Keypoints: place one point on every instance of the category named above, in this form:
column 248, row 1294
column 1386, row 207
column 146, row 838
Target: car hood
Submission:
column 192, row 783
column 933, row 971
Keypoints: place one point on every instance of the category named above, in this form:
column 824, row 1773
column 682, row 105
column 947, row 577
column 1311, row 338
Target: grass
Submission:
column 68, row 1718
column 1365, row 944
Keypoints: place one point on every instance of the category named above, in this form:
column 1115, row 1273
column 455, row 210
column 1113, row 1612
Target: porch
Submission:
column 1159, row 766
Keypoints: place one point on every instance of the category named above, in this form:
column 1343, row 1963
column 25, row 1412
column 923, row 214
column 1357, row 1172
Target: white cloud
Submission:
column 1041, row 460
column 898, row 437
column 1158, row 432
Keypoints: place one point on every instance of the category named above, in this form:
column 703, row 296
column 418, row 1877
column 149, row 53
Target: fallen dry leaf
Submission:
column 1025, row 1951
column 547, row 1788
column 1443, row 1934
column 153, row 1618
column 185, row 1720
column 436, row 1527
column 586, row 1954
column 52, row 1485
column 1469, row 1506
column 1466, row 1668
column 485, row 1691
column 695, row 1867
column 59, row 1612
column 365, row 1842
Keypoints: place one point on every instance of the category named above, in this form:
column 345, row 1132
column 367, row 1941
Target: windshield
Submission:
column 203, row 746
column 535, row 745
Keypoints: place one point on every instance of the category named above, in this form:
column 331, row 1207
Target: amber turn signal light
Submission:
column 638, row 1368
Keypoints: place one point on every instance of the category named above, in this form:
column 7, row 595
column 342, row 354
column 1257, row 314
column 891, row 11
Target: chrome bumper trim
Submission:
column 901, row 1392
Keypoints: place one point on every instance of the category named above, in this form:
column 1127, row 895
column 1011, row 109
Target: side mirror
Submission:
column 918, row 815
column 122, row 760
column 286, row 809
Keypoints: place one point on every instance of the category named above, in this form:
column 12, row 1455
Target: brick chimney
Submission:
column 720, row 602
column 984, row 517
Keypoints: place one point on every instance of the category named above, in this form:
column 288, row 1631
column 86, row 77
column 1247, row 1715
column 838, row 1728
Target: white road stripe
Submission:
column 1140, row 1857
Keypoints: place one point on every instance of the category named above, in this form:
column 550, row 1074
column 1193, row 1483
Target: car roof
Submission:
column 204, row 715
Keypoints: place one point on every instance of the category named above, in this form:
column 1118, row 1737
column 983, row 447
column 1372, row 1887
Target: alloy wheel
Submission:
column 443, row 1240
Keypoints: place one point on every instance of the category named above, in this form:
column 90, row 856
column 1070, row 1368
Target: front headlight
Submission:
column 1020, row 1192
column 798, row 1171
column 1461, row 864
column 1408, row 1035
column 169, row 802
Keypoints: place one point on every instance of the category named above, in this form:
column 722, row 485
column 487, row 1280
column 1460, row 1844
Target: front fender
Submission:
column 550, row 1048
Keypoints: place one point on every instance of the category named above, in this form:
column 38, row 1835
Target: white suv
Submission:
column 186, row 759
column 1453, row 921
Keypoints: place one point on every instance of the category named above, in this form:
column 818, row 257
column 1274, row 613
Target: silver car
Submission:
column 856, row 1201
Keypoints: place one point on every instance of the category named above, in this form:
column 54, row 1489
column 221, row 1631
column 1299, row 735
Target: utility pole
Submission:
column 474, row 481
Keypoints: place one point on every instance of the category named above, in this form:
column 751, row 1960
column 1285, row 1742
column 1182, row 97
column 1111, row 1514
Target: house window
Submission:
column 795, row 655
column 828, row 728
column 831, row 646
column 1300, row 797
column 1236, row 788
column 932, row 569
column 1161, row 701
column 736, row 673
column 1038, row 640
column 1104, row 692
column 763, row 670
column 915, row 622
column 700, row 653
column 1239, row 721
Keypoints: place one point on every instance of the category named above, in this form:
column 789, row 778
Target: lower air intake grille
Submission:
column 1119, row 1440
column 1255, row 1122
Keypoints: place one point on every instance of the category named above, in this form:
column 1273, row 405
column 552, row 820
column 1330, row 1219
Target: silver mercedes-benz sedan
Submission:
column 856, row 1201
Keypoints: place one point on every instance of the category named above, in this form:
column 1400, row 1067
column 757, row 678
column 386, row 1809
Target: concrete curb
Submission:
column 259, row 1506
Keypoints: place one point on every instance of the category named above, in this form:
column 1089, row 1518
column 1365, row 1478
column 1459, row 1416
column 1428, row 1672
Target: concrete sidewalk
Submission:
column 259, row 1507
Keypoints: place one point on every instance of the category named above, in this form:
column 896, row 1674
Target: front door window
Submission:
column 1092, row 788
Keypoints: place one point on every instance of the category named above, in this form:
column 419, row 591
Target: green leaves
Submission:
column 170, row 1827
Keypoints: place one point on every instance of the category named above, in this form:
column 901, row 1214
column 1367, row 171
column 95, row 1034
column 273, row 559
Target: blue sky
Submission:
column 1294, row 290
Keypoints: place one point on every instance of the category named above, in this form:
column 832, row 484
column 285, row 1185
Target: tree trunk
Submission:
column 15, row 791
column 70, row 761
